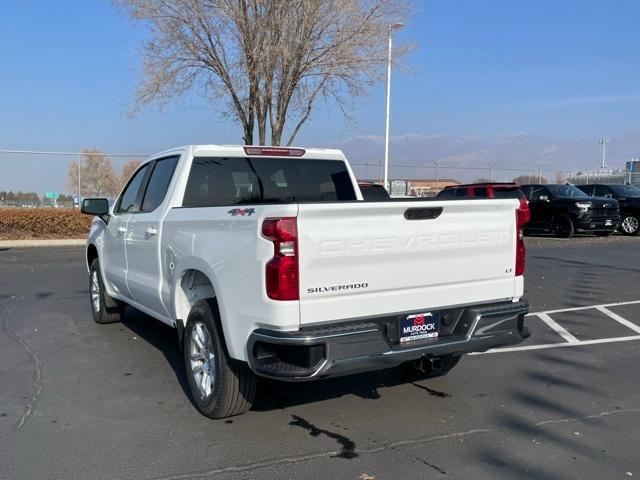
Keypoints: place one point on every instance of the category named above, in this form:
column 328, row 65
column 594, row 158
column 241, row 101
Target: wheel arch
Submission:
column 91, row 254
column 192, row 286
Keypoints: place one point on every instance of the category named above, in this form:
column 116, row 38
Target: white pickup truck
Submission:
column 268, row 262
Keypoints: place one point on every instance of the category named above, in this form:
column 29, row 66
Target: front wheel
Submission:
column 104, row 308
column 563, row 226
column 630, row 224
column 220, row 386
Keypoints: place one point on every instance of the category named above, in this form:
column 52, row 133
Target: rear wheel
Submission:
column 104, row 308
column 630, row 224
column 220, row 386
column 563, row 226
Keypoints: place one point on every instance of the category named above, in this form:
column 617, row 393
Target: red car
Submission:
column 489, row 190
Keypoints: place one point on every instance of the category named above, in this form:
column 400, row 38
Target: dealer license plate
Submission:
column 419, row 326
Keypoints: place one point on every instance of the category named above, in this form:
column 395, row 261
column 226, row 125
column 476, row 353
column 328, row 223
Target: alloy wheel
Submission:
column 630, row 225
column 203, row 359
column 95, row 291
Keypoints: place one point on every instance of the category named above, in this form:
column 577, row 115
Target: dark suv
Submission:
column 628, row 197
column 565, row 210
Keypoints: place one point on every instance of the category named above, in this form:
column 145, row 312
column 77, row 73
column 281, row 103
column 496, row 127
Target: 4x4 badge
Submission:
column 241, row 212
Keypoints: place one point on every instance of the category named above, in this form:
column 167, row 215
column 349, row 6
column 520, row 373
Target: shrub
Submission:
column 34, row 223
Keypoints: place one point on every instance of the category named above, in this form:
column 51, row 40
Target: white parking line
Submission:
column 558, row 345
column 557, row 328
column 619, row 319
column 576, row 309
column 570, row 340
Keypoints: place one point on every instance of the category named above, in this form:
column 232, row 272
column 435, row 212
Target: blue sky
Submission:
column 562, row 69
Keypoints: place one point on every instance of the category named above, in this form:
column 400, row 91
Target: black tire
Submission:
column 604, row 234
column 416, row 369
column 102, row 313
column 563, row 226
column 630, row 224
column 233, row 386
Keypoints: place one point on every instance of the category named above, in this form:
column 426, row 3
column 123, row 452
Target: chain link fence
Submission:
column 429, row 180
column 31, row 178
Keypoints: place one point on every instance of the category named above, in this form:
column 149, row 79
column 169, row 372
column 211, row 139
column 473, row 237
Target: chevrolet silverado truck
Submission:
column 268, row 262
column 565, row 210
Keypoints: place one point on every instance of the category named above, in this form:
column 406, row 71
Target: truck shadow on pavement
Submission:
column 272, row 394
column 160, row 336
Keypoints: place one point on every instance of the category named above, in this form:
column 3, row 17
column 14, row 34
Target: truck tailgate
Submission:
column 366, row 259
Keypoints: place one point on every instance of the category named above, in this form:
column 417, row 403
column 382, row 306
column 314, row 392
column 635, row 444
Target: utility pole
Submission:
column 390, row 29
column 603, row 142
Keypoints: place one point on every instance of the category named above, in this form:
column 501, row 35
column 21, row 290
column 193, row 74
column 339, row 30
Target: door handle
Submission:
column 122, row 229
column 150, row 231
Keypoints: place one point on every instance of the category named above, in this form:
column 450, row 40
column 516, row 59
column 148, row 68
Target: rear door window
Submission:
column 481, row 192
column 221, row 181
column 159, row 183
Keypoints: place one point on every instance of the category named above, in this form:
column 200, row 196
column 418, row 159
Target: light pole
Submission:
column 603, row 142
column 390, row 29
column 79, row 183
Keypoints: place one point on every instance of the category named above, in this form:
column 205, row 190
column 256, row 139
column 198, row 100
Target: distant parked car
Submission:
column 628, row 197
column 488, row 190
column 565, row 210
column 373, row 192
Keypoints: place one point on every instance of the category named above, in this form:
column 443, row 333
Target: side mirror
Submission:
column 95, row 206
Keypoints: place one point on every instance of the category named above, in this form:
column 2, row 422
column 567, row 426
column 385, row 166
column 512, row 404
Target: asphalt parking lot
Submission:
column 79, row 400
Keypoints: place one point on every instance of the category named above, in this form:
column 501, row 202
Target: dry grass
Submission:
column 41, row 223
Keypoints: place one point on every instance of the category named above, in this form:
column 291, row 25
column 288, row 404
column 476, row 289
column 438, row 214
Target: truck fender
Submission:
column 194, row 282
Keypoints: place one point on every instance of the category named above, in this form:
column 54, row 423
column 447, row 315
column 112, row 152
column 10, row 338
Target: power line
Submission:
column 88, row 154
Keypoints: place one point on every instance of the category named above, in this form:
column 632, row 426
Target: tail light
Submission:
column 523, row 215
column 282, row 269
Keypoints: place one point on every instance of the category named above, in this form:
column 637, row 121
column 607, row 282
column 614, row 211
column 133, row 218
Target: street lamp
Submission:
column 390, row 29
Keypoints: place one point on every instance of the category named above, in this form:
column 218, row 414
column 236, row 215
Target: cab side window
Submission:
column 602, row 191
column 526, row 190
column 539, row 193
column 588, row 189
column 129, row 199
column 159, row 183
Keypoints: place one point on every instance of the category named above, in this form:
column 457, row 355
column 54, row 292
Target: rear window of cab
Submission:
column 225, row 181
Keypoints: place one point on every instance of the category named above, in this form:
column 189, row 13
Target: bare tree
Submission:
column 127, row 171
column 97, row 177
column 268, row 61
